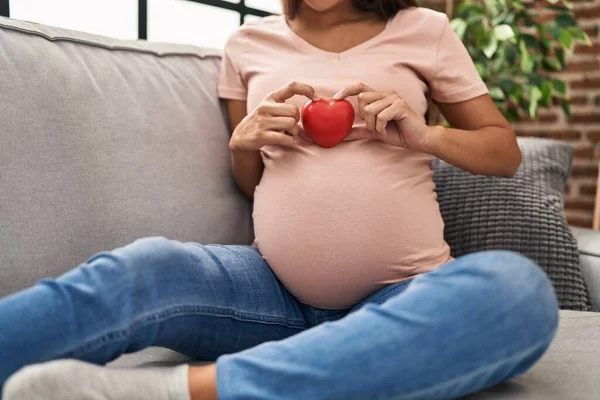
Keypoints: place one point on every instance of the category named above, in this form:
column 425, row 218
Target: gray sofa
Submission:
column 104, row 141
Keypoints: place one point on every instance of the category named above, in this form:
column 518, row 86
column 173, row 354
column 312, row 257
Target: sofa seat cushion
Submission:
column 568, row 370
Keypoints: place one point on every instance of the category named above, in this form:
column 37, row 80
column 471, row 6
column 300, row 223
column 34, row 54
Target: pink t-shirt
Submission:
column 336, row 224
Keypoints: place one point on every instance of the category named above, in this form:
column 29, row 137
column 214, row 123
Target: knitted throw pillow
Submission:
column 523, row 213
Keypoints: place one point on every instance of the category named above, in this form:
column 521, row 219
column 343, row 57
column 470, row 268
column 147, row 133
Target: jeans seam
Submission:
column 439, row 386
column 178, row 311
column 235, row 250
column 381, row 295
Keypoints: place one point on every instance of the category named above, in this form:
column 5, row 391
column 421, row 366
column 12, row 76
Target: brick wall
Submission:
column 583, row 128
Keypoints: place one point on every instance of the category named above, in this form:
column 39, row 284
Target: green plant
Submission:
column 515, row 53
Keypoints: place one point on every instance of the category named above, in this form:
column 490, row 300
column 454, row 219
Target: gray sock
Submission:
column 77, row 380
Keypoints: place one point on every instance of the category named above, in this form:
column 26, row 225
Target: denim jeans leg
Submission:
column 203, row 301
column 471, row 323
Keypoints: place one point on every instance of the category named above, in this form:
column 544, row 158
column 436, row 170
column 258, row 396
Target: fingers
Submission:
column 352, row 90
column 374, row 111
column 278, row 138
column 280, row 116
column 379, row 108
column 396, row 112
column 383, row 118
column 288, row 124
column 291, row 89
column 279, row 110
column 366, row 98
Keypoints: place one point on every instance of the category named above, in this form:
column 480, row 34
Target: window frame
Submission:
column 240, row 7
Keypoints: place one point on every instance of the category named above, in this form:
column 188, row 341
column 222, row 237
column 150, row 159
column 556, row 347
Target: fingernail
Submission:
column 336, row 96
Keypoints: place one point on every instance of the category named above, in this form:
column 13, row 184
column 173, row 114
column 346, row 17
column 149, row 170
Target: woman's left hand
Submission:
column 379, row 108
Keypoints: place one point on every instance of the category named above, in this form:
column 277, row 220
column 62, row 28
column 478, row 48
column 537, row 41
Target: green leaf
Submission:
column 463, row 8
column 551, row 64
column 517, row 5
column 511, row 53
column 515, row 93
column 474, row 19
column 492, row 7
column 560, row 56
column 481, row 38
column 579, row 34
column 560, row 87
column 497, row 93
column 566, row 20
column 526, row 63
column 541, row 30
column 469, row 8
column 546, row 92
column 459, row 26
column 530, row 40
column 504, row 32
column 534, row 98
column 554, row 30
column 480, row 68
column 566, row 39
column 491, row 47
column 536, row 80
column 566, row 106
column 506, row 84
column 545, row 43
column 512, row 114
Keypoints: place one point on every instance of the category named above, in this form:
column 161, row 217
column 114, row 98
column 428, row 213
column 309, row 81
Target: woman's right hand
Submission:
column 273, row 121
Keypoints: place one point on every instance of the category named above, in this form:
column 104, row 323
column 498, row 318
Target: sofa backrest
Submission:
column 103, row 141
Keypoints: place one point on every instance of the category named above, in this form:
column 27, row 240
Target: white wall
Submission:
column 178, row 21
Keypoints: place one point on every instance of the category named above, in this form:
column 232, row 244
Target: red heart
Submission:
column 327, row 122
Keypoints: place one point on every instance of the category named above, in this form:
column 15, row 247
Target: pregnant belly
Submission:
column 335, row 225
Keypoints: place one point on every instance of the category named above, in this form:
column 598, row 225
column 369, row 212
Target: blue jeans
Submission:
column 473, row 322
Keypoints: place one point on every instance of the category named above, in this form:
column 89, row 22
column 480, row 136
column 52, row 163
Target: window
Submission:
column 205, row 23
column 273, row 6
column 188, row 22
column 117, row 18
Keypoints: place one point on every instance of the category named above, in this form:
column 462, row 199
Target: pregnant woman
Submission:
column 349, row 290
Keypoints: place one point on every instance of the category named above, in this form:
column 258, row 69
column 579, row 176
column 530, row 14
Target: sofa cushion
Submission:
column 588, row 242
column 105, row 141
column 523, row 213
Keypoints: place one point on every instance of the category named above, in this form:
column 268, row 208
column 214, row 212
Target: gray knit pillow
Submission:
column 523, row 213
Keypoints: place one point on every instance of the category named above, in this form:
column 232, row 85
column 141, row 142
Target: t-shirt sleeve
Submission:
column 455, row 78
column 231, row 83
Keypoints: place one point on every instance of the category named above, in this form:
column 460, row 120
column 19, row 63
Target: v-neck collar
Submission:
column 305, row 45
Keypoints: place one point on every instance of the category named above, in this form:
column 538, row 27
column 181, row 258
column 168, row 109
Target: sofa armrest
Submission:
column 588, row 242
